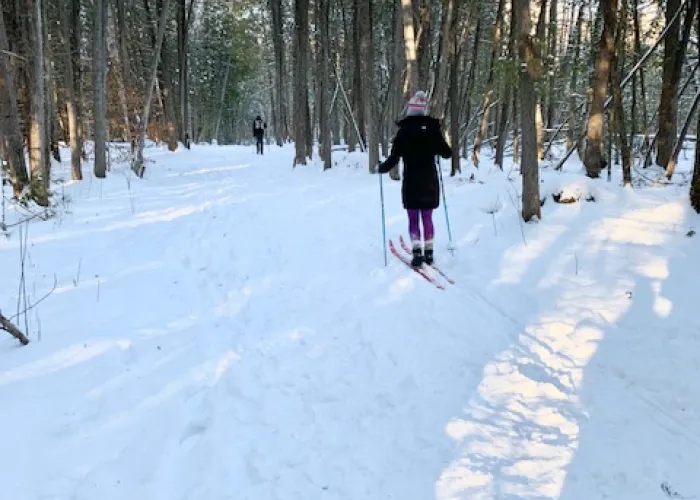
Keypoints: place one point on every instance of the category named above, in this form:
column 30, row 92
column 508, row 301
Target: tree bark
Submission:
column 695, row 182
column 409, row 38
column 301, row 96
column 454, row 96
column 220, row 111
column 38, row 160
column 138, row 165
column 76, row 34
column 185, row 18
column 539, row 114
column 553, row 70
column 438, row 99
column 642, row 86
column 11, row 143
column 490, row 84
column 619, row 113
column 671, row 167
column 281, row 129
column 99, row 73
column 323, row 66
column 674, row 54
column 424, row 44
column 505, row 112
column 572, row 135
column 358, row 77
column 120, row 76
column 528, row 108
column 594, row 159
column 172, row 123
column 368, row 83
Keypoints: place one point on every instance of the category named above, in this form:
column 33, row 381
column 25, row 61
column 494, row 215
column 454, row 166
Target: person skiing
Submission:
column 259, row 127
column 418, row 141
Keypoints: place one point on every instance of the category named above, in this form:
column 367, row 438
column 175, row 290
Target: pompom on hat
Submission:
column 418, row 104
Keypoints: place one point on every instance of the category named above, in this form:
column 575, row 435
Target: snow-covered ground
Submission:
column 226, row 329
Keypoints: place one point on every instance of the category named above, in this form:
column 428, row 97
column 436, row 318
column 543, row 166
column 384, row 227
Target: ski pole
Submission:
column 381, row 197
column 444, row 202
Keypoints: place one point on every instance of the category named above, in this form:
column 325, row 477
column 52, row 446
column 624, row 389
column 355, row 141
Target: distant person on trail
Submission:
column 418, row 141
column 259, row 127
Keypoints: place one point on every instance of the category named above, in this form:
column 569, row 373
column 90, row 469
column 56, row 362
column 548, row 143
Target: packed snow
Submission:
column 226, row 329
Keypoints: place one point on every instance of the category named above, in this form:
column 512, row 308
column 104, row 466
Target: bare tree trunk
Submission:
column 358, row 76
column 471, row 74
column 642, row 87
column 572, row 133
column 674, row 54
column 368, row 87
column 281, row 131
column 172, row 123
column 552, row 52
column 695, row 182
column 351, row 137
column 11, row 143
column 323, row 58
column 99, row 72
column 424, row 44
column 76, row 34
column 38, row 161
column 539, row 118
column 671, row 167
column 301, row 96
column 490, row 85
column 528, row 107
column 454, row 96
column 409, row 37
column 220, row 111
column 438, row 99
column 594, row 160
column 619, row 112
column 51, row 96
column 138, row 165
column 122, row 40
column 184, row 21
column 504, row 115
column 120, row 76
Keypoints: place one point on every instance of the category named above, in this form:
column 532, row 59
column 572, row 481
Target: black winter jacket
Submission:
column 418, row 141
column 259, row 127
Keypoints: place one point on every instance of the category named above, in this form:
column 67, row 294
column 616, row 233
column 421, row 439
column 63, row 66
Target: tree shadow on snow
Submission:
column 541, row 400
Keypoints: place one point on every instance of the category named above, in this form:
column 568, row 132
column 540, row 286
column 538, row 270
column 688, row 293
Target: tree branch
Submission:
column 6, row 325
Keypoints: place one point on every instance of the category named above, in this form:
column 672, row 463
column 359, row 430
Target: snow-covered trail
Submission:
column 226, row 329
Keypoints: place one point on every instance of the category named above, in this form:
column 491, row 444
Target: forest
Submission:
column 190, row 310
column 612, row 81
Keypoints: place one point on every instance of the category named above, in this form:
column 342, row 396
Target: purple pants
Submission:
column 414, row 216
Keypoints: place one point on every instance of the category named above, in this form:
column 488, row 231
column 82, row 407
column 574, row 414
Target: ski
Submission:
column 430, row 279
column 437, row 269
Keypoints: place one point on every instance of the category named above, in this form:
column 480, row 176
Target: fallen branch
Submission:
column 6, row 325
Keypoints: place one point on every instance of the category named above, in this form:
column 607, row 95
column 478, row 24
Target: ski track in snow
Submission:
column 225, row 329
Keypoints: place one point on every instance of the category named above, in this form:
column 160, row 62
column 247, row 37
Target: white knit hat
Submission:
column 418, row 104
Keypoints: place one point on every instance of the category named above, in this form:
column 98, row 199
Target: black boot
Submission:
column 417, row 257
column 429, row 256
column 429, row 252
